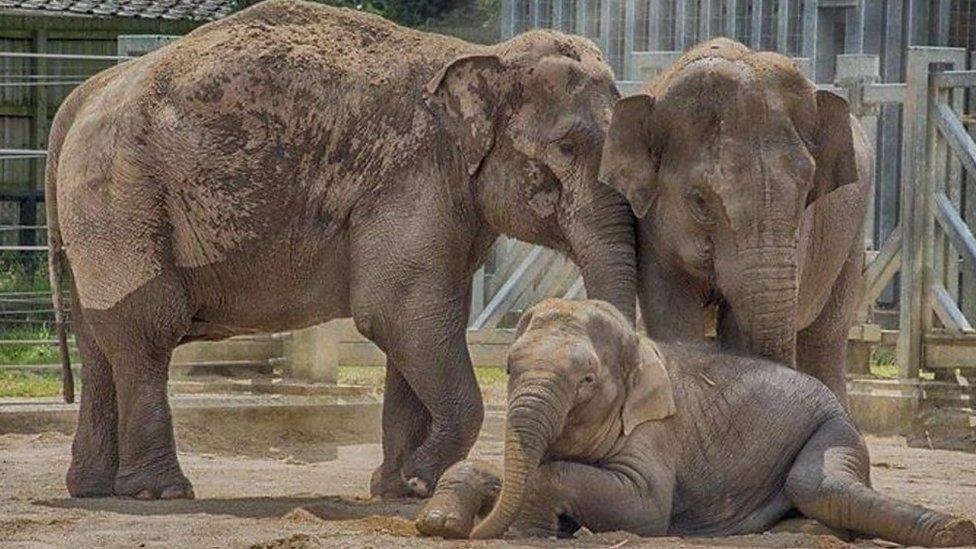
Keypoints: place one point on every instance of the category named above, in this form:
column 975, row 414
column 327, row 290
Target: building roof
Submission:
column 198, row 10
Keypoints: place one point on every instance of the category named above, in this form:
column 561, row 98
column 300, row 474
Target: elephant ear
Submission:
column 463, row 91
column 649, row 396
column 629, row 164
column 833, row 146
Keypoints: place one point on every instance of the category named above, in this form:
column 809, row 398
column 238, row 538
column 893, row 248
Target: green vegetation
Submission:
column 20, row 274
column 28, row 354
column 883, row 363
column 18, row 383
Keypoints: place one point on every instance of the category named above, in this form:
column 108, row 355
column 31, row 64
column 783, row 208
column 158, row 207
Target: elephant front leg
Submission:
column 424, row 337
column 405, row 424
column 565, row 496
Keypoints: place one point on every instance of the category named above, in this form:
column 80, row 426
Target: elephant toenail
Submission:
column 144, row 494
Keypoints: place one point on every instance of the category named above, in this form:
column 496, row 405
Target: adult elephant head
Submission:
column 720, row 157
column 529, row 117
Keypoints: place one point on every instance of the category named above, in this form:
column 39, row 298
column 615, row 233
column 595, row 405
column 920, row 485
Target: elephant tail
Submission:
column 55, row 246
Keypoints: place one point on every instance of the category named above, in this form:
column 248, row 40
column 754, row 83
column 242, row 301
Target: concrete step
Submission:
column 346, row 418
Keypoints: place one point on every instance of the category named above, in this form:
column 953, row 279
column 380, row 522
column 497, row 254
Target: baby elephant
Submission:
column 609, row 431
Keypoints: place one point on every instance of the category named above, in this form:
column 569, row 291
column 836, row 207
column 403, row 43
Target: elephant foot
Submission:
column 445, row 516
column 956, row 532
column 386, row 485
column 89, row 482
column 141, row 484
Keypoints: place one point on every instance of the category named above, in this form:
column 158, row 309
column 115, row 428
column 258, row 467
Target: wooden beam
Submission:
column 947, row 311
column 514, row 287
column 957, row 137
column 879, row 272
column 956, row 229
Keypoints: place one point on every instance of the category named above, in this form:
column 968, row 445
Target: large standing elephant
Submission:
column 752, row 187
column 295, row 163
column 609, row 431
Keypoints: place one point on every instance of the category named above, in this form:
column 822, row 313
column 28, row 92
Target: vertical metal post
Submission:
column 581, row 17
column 38, row 129
column 757, row 24
column 680, row 15
column 508, row 19
column 810, row 28
column 942, row 21
column 606, row 11
column 653, row 25
column 630, row 28
column 783, row 27
column 534, row 11
column 705, row 19
column 557, row 15
column 731, row 20
column 854, row 37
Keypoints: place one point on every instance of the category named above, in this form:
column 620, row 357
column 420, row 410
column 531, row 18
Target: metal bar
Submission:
column 954, row 79
column 947, row 311
column 28, row 55
column 958, row 138
column 508, row 19
column 731, row 22
column 22, row 151
column 581, row 17
column 704, row 20
column 783, row 27
column 810, row 29
column 653, row 25
column 680, row 34
column 23, row 248
column 757, row 24
column 956, row 229
column 516, row 284
column 534, row 11
column 576, row 290
column 557, row 15
column 22, row 228
column 39, row 84
column 630, row 28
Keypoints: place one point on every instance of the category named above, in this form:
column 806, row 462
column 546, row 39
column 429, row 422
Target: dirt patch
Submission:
column 263, row 501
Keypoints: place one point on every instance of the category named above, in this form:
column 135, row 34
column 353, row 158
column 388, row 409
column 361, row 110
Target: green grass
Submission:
column 29, row 384
column 28, row 354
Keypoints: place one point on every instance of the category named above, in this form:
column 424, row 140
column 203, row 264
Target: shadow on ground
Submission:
column 330, row 508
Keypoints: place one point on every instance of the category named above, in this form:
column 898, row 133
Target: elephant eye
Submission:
column 588, row 379
column 567, row 148
column 698, row 206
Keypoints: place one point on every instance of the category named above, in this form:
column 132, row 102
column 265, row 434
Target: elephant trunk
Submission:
column 603, row 239
column 771, row 304
column 536, row 411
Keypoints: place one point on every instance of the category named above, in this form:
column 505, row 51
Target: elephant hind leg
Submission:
column 95, row 450
column 138, row 336
column 829, row 481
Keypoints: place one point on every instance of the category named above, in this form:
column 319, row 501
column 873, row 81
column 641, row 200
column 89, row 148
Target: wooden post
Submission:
column 757, row 24
column 477, row 293
column 854, row 37
column 942, row 20
column 916, row 215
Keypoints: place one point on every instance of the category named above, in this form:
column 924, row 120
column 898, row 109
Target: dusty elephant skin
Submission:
column 295, row 163
column 752, row 187
column 607, row 430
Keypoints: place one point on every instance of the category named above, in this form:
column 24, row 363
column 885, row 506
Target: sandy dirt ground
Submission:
column 302, row 494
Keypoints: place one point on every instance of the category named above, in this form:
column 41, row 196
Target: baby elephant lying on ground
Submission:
column 609, row 431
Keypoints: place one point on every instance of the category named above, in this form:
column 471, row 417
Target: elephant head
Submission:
column 579, row 380
column 723, row 153
column 529, row 118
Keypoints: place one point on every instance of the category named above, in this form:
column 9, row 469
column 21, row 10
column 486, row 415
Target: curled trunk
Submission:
column 534, row 413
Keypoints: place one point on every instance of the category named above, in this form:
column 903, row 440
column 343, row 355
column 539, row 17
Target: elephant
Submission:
column 295, row 163
column 609, row 430
column 751, row 187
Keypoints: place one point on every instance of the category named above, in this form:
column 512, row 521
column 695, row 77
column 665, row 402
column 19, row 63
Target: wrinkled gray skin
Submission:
column 609, row 431
column 295, row 163
column 752, row 188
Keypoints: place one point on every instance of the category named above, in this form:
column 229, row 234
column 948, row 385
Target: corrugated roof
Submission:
column 200, row 10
